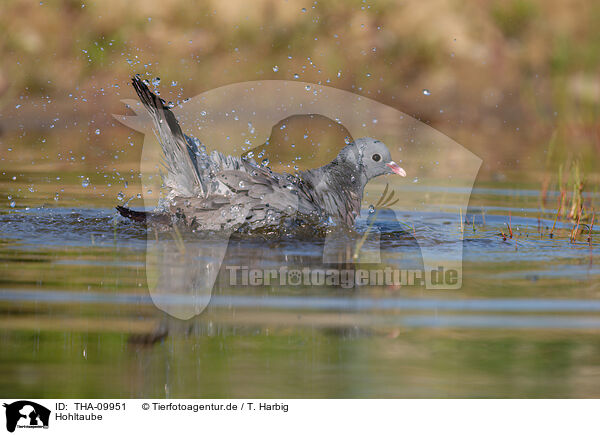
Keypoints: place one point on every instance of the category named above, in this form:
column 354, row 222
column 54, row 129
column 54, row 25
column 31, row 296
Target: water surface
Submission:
column 77, row 319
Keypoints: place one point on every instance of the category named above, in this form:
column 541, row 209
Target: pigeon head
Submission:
column 371, row 157
column 338, row 186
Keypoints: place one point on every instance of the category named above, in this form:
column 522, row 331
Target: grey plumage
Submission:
column 218, row 192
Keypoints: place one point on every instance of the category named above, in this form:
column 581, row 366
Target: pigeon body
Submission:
column 216, row 192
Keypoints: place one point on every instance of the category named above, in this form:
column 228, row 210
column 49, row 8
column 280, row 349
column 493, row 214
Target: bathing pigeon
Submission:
column 217, row 192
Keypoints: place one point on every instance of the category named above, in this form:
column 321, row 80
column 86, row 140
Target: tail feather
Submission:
column 138, row 216
column 144, row 216
column 182, row 175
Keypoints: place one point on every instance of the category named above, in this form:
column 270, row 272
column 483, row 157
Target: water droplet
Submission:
column 242, row 184
column 303, row 10
column 347, row 140
column 307, row 87
column 371, row 209
column 296, row 76
column 415, row 180
column 156, row 81
column 251, row 129
column 275, row 68
column 85, row 182
column 235, row 211
column 265, row 162
column 97, row 131
column 12, row 204
column 339, row 74
column 426, row 92
column 120, row 196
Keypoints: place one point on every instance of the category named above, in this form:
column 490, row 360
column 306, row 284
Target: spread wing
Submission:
column 215, row 191
column 248, row 194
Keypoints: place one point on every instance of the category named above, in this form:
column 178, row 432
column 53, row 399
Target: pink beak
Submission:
column 396, row 169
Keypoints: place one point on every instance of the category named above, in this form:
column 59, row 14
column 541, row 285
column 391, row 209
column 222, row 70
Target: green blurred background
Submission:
column 506, row 78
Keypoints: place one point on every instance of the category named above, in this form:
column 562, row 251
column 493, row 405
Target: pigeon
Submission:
column 211, row 192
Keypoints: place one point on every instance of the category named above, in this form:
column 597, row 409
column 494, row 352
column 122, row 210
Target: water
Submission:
column 77, row 319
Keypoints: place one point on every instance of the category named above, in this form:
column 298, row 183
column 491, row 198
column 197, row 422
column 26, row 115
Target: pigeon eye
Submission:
column 376, row 157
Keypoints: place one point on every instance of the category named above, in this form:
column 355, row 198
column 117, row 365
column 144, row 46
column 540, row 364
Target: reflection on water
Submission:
column 77, row 318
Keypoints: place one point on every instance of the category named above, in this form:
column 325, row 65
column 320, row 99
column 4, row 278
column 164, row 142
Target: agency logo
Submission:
column 24, row 414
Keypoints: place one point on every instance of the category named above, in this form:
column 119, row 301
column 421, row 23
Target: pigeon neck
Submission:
column 349, row 168
column 349, row 180
column 338, row 188
column 350, row 176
